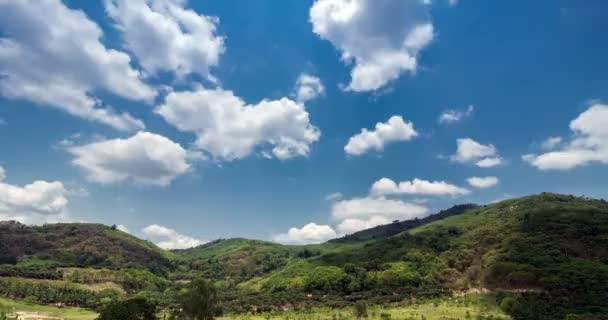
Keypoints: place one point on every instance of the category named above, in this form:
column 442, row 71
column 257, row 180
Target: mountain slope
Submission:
column 387, row 230
column 547, row 253
column 542, row 256
column 77, row 244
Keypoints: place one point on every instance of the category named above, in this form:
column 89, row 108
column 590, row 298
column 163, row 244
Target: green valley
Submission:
column 537, row 257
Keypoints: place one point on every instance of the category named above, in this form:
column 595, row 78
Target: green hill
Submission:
column 541, row 257
column 396, row 227
column 38, row 249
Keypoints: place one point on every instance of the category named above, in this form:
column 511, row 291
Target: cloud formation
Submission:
column 310, row 233
column 381, row 39
column 52, row 55
column 386, row 186
column 308, row 87
column 551, row 142
column 394, row 130
column 229, row 129
column 589, row 143
column 482, row 182
column 471, row 151
column 144, row 158
column 360, row 213
column 170, row 239
column 164, row 36
column 38, row 202
column 451, row 116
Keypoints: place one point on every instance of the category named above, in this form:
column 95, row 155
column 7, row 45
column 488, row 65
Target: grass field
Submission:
column 457, row 308
column 46, row 312
column 464, row 308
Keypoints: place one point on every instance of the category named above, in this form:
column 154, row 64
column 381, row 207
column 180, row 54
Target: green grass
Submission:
column 469, row 307
column 66, row 313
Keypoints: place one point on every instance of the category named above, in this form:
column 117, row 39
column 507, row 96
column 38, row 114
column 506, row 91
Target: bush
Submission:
column 132, row 309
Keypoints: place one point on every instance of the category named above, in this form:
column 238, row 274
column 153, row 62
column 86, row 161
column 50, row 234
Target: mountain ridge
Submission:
column 539, row 254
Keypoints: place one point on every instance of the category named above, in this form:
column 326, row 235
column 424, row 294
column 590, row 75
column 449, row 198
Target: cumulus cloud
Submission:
column 228, row 129
column 52, row 55
column 310, row 233
column 386, row 186
column 144, row 158
column 394, row 130
column 308, row 87
column 170, row 239
column 37, row 202
column 382, row 39
column 165, row 36
column 551, row 143
column 589, row 143
column 360, row 213
column 451, row 116
column 471, row 151
column 482, row 182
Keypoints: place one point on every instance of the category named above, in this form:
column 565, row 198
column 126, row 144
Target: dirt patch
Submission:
column 22, row 315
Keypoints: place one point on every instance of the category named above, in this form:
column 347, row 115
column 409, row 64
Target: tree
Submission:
column 200, row 301
column 131, row 309
column 360, row 309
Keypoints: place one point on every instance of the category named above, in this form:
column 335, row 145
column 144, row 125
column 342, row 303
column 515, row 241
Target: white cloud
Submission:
column 37, row 202
column 450, row 116
column 360, row 213
column 308, row 87
column 482, row 182
column 144, row 158
column 122, row 228
column 334, row 196
column 229, row 129
column 52, row 55
column 395, row 129
column 471, row 151
column 310, row 233
column 169, row 239
column 382, row 39
column 165, row 36
column 417, row 186
column 551, row 143
column 589, row 143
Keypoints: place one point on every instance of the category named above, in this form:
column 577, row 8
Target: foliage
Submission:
column 46, row 292
column 200, row 300
column 544, row 255
column 360, row 310
column 76, row 244
column 131, row 309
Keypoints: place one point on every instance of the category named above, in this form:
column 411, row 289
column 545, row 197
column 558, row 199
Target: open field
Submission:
column 471, row 307
column 29, row 311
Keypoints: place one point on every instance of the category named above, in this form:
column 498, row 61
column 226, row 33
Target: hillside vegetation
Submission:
column 32, row 248
column 539, row 257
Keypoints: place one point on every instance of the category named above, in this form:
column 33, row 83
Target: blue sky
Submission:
column 185, row 121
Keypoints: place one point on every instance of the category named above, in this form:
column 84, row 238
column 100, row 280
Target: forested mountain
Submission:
column 77, row 245
column 543, row 257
